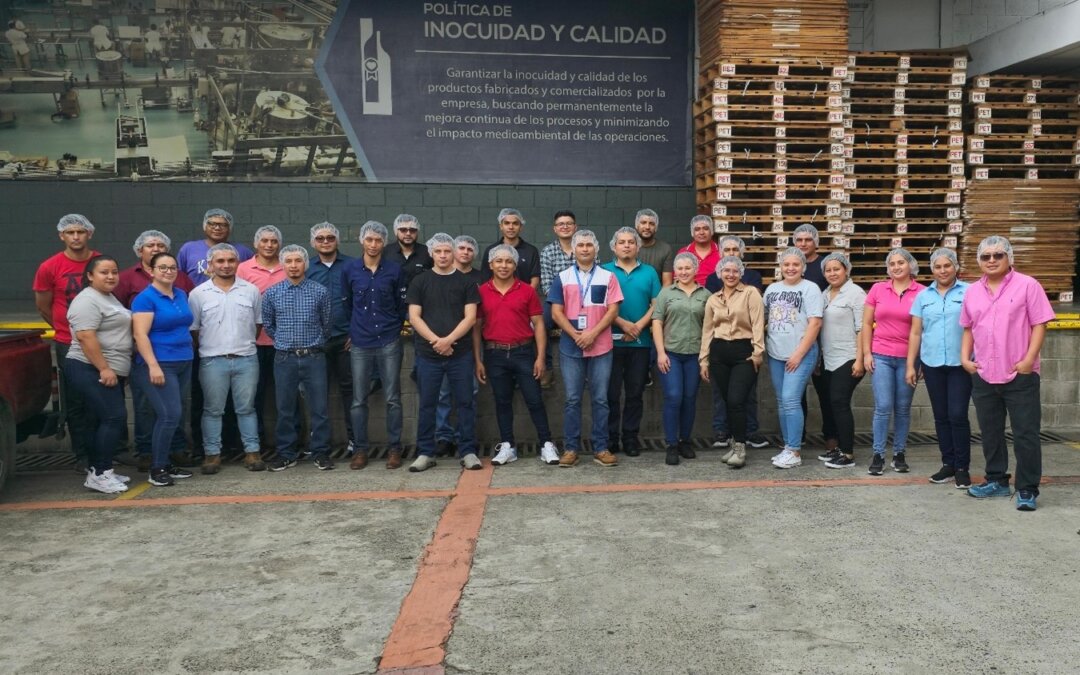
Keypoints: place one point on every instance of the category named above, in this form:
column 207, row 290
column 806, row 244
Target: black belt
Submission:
column 507, row 346
column 232, row 356
column 306, row 351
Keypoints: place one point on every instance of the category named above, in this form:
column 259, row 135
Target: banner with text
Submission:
column 560, row 92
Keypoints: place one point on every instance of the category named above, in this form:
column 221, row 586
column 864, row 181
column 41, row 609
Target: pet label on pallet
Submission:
column 949, row 242
column 723, row 147
column 901, row 228
column 956, row 94
column 720, row 226
column 719, row 210
column 899, row 214
column 956, row 226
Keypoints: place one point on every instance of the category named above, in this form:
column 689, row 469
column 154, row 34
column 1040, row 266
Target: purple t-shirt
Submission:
column 892, row 317
column 192, row 258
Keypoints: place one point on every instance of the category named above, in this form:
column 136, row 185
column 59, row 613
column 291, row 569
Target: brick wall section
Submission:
column 975, row 19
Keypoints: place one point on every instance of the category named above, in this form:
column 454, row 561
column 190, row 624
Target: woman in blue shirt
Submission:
column 161, row 323
column 935, row 341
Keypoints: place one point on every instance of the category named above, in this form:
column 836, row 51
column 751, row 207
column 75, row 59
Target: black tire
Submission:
column 7, row 444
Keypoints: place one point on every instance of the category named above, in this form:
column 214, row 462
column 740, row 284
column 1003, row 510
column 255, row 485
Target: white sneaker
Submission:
column 780, row 454
column 471, row 462
column 506, row 454
column 549, row 454
column 118, row 476
column 103, row 483
column 787, row 460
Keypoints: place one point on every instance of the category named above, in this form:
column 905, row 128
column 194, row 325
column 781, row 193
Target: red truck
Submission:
column 25, row 390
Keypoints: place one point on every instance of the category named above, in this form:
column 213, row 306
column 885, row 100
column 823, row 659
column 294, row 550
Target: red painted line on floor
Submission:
column 418, row 638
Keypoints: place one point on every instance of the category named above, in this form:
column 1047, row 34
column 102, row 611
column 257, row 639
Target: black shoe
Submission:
column 963, row 479
column 877, row 467
column 176, row 472
column 632, row 448
column 944, row 475
column 898, row 463
column 672, row 456
column 830, row 456
column 756, row 440
column 445, row 449
column 722, row 440
column 160, row 477
column 613, row 445
column 842, row 461
column 282, row 464
column 686, row 451
column 323, row 463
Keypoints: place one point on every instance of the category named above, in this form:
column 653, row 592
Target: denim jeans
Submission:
column 680, row 384
column 578, row 371
column 734, row 375
column 444, row 430
column 838, row 386
column 107, row 406
column 949, row 388
column 629, row 371
column 167, row 402
column 145, row 418
column 77, row 414
column 505, row 368
column 1019, row 400
column 789, row 389
column 368, row 364
column 719, row 411
column 549, row 325
column 290, row 373
column 218, row 377
column 892, row 398
column 339, row 367
column 430, row 372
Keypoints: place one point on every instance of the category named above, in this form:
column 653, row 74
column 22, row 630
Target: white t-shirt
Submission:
column 17, row 38
column 102, row 312
column 788, row 310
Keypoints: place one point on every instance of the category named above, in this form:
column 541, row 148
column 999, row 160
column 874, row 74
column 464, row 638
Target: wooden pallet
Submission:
column 767, row 28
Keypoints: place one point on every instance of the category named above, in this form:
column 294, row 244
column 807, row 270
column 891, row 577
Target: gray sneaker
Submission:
column 470, row 462
column 422, row 463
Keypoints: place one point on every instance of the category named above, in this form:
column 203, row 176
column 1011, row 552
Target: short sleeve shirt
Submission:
column 660, row 256
column 442, row 299
column 892, row 317
column 170, row 332
column 841, row 324
column 941, row 329
column 588, row 295
column 192, row 258
column 508, row 316
column 61, row 276
column 788, row 310
column 639, row 287
column 528, row 266
column 111, row 321
column 683, row 316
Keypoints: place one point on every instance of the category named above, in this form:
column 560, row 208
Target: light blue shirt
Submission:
column 941, row 330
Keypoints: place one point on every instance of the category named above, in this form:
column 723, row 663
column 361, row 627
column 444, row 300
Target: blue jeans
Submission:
column 107, row 406
column 789, row 389
column 578, row 371
column 167, row 402
column 430, row 372
column 144, row 423
column 505, row 368
column 217, row 376
column 444, row 431
column 719, row 411
column 290, row 372
column 680, row 386
column 949, row 388
column 892, row 398
column 368, row 364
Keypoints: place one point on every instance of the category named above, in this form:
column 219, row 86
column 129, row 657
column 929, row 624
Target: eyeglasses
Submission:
column 414, row 230
column 985, row 257
column 167, row 268
column 217, row 225
column 565, row 224
column 322, row 239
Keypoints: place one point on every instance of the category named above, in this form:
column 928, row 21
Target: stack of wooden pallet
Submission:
column 1022, row 127
column 1039, row 217
column 807, row 29
column 771, row 135
column 906, row 176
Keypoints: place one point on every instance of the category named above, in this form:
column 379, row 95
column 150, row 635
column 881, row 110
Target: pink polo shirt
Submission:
column 1001, row 324
column 892, row 317
column 262, row 278
column 706, row 265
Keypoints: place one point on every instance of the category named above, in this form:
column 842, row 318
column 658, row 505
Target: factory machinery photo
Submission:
column 167, row 89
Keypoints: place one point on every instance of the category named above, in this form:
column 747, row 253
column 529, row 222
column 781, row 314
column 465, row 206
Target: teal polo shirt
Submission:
column 639, row 287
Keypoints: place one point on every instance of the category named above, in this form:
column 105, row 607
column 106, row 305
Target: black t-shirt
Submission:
column 476, row 276
column 442, row 299
column 815, row 273
column 528, row 265
column 419, row 261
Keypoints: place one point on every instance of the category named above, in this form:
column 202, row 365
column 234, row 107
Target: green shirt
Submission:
column 683, row 316
column 639, row 287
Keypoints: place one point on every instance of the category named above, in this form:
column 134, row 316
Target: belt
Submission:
column 231, row 356
column 306, row 351
column 507, row 346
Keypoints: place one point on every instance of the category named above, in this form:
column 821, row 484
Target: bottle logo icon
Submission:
column 375, row 68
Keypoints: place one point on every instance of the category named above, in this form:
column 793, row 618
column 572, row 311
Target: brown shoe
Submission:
column 547, row 379
column 253, row 462
column 359, row 460
column 605, row 458
column 211, row 464
column 393, row 459
column 568, row 459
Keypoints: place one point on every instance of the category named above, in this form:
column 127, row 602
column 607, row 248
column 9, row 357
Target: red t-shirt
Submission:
column 134, row 280
column 61, row 276
column 507, row 318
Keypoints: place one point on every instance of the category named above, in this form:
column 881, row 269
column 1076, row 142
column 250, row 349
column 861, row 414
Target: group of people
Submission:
column 234, row 324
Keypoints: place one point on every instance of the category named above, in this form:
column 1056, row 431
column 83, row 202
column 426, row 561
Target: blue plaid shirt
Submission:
column 297, row 316
column 552, row 261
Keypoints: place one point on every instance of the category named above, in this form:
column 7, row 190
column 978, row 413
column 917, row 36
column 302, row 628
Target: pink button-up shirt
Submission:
column 263, row 278
column 1001, row 324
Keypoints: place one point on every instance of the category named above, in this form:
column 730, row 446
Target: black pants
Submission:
column 1020, row 400
column 79, row 417
column 733, row 376
column 828, row 423
column 837, row 388
column 629, row 370
column 949, row 388
column 339, row 367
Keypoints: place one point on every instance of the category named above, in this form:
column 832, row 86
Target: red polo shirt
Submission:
column 507, row 318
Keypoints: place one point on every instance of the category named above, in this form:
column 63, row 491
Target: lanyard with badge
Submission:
column 582, row 319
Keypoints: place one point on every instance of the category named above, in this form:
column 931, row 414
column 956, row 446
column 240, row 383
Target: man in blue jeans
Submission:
column 297, row 315
column 442, row 310
column 447, row 435
column 373, row 292
column 556, row 256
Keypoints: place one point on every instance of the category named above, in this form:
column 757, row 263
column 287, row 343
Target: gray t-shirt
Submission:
column 660, row 256
column 101, row 312
column 788, row 310
column 841, row 324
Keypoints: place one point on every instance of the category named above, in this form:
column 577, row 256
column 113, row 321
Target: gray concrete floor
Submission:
column 762, row 571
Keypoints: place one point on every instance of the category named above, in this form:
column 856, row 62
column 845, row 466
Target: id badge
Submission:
column 582, row 322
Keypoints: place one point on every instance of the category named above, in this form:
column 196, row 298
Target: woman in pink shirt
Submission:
column 886, row 327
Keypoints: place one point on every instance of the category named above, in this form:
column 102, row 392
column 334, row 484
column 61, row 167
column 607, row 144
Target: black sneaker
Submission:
column 282, row 464
column 898, row 463
column 632, row 448
column 722, row 440
column 613, row 446
column 842, row 461
column 177, row 472
column 671, row 458
column 877, row 466
column 756, row 440
column 963, row 479
column 686, row 451
column 830, row 455
column 323, row 463
column 445, row 449
column 944, row 475
column 160, row 477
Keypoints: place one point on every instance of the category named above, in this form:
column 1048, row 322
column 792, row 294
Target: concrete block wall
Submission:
column 970, row 20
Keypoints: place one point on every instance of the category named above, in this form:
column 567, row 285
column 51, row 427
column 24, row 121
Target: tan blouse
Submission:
column 740, row 317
